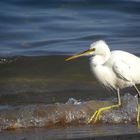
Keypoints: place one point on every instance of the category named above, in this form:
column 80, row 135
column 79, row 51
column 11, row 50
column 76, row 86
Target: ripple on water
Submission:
column 73, row 112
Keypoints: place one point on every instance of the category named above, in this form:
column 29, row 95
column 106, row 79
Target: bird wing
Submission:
column 123, row 70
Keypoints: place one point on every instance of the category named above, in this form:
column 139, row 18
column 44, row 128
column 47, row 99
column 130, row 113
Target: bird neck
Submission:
column 100, row 59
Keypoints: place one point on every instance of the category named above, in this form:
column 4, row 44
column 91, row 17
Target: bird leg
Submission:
column 138, row 106
column 96, row 116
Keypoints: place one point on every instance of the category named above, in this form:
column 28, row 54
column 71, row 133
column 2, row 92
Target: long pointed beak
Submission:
column 78, row 55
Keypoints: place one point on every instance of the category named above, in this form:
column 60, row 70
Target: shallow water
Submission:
column 35, row 94
column 33, row 80
column 73, row 112
column 42, row 80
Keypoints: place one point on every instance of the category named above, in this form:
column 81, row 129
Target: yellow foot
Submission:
column 96, row 116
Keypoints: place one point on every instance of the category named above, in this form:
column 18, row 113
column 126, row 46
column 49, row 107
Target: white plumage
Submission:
column 116, row 69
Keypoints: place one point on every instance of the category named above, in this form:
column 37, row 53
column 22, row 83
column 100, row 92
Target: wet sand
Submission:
column 97, row 132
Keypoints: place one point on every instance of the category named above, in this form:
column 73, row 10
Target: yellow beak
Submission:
column 78, row 55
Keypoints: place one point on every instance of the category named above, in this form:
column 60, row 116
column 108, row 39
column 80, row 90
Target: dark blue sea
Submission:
column 36, row 36
column 50, row 27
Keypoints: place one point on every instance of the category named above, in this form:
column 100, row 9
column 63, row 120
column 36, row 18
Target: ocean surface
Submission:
column 36, row 36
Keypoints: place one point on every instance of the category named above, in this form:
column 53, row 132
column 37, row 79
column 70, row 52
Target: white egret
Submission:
column 114, row 69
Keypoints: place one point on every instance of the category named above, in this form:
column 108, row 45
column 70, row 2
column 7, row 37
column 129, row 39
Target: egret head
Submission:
column 97, row 48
